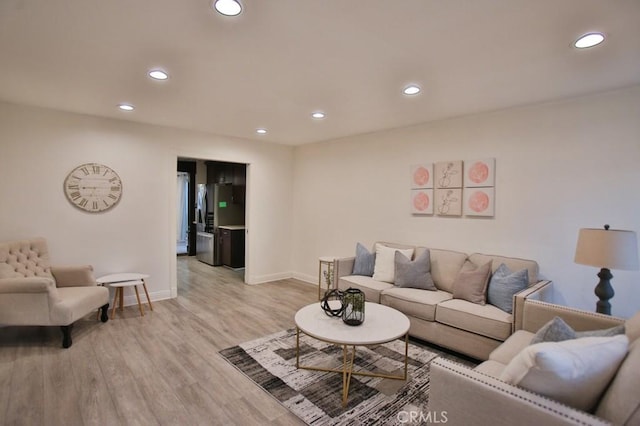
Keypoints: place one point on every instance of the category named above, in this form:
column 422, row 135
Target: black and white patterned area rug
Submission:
column 316, row 396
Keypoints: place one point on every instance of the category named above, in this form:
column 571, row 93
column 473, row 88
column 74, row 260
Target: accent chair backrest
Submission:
column 25, row 258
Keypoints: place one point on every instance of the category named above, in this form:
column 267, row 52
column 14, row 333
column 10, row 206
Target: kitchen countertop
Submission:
column 232, row 227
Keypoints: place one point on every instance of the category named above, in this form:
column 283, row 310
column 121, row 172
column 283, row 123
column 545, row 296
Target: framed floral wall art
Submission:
column 448, row 201
column 422, row 201
column 480, row 173
column 422, row 176
column 448, row 174
column 454, row 188
column 479, row 201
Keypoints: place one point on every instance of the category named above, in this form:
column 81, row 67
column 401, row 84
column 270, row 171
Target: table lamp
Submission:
column 608, row 249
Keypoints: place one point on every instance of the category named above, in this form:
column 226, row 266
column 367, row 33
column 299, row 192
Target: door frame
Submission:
column 190, row 167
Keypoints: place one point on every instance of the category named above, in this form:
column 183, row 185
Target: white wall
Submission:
column 560, row 167
column 38, row 147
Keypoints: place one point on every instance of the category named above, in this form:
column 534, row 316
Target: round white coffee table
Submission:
column 127, row 279
column 381, row 324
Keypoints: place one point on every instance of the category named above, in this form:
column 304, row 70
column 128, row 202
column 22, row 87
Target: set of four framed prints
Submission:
column 454, row 188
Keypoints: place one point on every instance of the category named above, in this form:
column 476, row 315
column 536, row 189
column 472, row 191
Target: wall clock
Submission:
column 93, row 187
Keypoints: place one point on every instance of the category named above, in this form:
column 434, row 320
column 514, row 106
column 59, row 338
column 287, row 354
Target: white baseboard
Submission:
column 261, row 279
column 308, row 279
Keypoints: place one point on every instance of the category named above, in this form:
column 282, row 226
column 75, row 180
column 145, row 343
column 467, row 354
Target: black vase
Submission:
column 332, row 303
column 353, row 306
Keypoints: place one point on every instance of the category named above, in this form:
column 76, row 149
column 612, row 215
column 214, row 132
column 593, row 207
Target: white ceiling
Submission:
column 283, row 59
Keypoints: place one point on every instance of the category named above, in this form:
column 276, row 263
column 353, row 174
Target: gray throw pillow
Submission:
column 555, row 330
column 414, row 274
column 504, row 284
column 365, row 261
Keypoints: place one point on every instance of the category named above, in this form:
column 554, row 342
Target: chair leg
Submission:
column 105, row 313
column 66, row 335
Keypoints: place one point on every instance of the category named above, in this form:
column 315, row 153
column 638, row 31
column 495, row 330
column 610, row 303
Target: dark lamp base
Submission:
column 604, row 291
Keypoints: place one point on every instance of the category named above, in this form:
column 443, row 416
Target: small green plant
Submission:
column 353, row 306
column 328, row 277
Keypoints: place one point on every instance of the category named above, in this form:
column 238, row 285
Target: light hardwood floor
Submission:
column 160, row 369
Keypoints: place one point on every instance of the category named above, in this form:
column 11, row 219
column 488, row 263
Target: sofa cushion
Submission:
column 485, row 320
column 445, row 265
column 413, row 273
column 491, row 368
column 414, row 302
column 620, row 403
column 364, row 261
column 504, row 284
column 574, row 372
column 471, row 284
column 75, row 302
column 513, row 263
column 370, row 287
column 511, row 347
column 384, row 269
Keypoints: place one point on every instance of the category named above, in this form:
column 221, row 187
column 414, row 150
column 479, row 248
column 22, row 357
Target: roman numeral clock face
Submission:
column 93, row 187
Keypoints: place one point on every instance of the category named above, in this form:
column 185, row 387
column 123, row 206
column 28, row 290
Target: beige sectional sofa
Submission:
column 478, row 396
column 437, row 317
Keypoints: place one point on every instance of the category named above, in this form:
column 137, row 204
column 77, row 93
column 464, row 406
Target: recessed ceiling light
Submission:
column 589, row 40
column 412, row 89
column 261, row 131
column 227, row 7
column 158, row 75
column 318, row 115
column 126, row 107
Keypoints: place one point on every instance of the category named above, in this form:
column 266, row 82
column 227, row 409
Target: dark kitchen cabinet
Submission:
column 232, row 246
column 225, row 173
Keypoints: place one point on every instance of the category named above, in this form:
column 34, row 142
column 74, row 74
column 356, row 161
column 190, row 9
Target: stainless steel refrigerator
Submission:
column 216, row 207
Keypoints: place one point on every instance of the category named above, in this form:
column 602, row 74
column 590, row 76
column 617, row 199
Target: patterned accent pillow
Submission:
column 504, row 284
column 555, row 330
column 364, row 262
column 414, row 274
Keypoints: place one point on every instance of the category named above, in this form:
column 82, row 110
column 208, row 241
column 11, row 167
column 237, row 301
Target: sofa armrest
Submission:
column 73, row 276
column 540, row 291
column 27, row 301
column 342, row 267
column 536, row 313
column 467, row 397
column 27, row 285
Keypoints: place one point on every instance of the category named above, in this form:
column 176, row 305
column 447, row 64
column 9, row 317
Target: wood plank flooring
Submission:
column 160, row 369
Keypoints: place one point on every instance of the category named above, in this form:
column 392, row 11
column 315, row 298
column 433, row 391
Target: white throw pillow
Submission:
column 574, row 372
column 384, row 269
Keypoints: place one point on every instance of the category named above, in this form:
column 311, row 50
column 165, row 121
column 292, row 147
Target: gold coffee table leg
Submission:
column 347, row 370
column 347, row 365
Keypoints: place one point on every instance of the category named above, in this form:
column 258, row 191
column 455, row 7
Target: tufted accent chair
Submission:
column 32, row 292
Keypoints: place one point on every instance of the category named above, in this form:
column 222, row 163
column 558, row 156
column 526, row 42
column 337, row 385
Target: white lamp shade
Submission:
column 611, row 249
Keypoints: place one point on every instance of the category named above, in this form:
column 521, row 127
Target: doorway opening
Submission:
column 215, row 193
